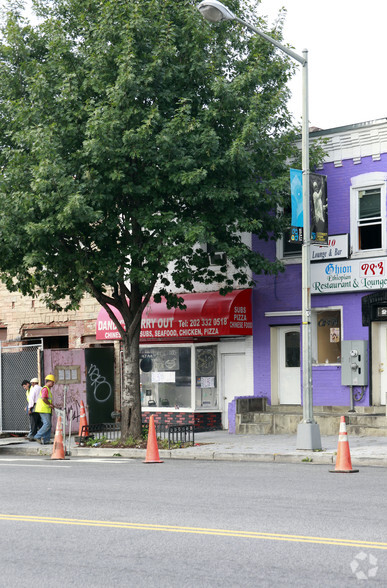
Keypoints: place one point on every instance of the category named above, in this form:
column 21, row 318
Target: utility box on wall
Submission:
column 354, row 363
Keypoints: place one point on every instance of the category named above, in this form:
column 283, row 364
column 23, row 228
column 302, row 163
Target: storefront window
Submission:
column 165, row 377
column 328, row 329
column 206, row 395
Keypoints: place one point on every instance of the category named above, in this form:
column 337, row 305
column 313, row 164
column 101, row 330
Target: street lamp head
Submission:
column 215, row 11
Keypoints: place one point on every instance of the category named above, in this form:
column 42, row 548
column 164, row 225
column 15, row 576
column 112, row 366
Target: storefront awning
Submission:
column 208, row 314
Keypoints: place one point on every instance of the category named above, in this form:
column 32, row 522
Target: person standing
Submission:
column 44, row 406
column 27, row 387
column 35, row 420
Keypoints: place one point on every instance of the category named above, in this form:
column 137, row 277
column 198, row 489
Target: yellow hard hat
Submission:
column 50, row 377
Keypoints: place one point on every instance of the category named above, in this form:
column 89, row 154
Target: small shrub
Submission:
column 99, row 440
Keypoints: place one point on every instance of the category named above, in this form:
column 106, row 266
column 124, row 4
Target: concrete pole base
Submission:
column 308, row 436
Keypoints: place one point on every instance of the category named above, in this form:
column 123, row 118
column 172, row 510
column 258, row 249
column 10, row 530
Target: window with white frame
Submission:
column 217, row 258
column 179, row 376
column 368, row 214
column 327, row 331
column 287, row 249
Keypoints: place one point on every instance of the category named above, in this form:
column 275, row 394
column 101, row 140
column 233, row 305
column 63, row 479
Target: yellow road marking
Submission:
column 196, row 531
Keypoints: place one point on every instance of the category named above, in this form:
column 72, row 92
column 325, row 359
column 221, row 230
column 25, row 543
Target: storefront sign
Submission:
column 349, row 276
column 337, row 248
column 207, row 315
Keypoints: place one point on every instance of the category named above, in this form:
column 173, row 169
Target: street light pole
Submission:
column 308, row 431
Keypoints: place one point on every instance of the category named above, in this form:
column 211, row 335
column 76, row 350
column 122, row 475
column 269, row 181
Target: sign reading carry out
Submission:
column 349, row 275
column 207, row 315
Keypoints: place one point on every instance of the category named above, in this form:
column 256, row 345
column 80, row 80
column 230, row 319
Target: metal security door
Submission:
column 100, row 384
column 17, row 363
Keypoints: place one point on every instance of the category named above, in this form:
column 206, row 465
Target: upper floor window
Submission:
column 368, row 214
column 216, row 257
column 287, row 248
column 290, row 248
column 369, row 219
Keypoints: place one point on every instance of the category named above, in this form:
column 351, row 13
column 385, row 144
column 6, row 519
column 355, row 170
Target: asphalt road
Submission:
column 116, row 522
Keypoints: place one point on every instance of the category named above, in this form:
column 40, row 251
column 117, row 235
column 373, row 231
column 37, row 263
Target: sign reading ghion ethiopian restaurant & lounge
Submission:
column 349, row 275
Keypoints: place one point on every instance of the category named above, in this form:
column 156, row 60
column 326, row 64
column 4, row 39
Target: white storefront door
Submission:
column 234, row 380
column 382, row 361
column 289, row 373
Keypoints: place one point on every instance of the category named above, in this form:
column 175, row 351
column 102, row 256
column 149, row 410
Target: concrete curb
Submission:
column 201, row 453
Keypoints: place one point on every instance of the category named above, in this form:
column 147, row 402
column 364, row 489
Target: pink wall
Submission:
column 75, row 392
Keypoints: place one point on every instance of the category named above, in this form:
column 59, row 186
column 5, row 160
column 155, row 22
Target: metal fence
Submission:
column 181, row 434
column 17, row 363
column 111, row 431
column 176, row 434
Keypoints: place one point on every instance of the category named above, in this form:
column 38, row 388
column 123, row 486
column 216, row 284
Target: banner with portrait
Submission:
column 318, row 209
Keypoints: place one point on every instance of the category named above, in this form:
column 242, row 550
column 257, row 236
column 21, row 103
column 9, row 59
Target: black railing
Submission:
column 176, row 434
column 179, row 434
column 110, row 431
column 161, row 430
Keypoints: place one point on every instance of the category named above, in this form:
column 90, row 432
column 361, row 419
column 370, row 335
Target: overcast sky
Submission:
column 346, row 41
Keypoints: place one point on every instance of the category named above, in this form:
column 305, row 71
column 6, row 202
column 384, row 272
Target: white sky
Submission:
column 346, row 41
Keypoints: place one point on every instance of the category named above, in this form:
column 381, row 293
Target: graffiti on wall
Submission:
column 102, row 389
column 100, row 384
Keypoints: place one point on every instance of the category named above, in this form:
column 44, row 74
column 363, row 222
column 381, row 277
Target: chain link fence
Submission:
column 17, row 363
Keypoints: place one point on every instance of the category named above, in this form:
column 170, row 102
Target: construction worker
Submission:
column 44, row 407
column 36, row 421
column 27, row 387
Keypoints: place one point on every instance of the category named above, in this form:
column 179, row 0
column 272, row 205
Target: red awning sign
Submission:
column 208, row 314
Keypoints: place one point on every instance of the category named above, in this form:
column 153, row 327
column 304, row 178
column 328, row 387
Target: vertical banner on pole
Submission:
column 319, row 209
column 296, row 229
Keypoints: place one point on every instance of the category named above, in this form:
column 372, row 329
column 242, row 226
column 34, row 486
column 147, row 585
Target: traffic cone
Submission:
column 343, row 460
column 152, row 449
column 58, row 451
column 83, row 421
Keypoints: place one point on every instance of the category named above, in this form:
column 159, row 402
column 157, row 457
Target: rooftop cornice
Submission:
column 353, row 142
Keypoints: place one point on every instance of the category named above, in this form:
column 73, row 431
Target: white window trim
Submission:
column 192, row 408
column 288, row 260
column 364, row 182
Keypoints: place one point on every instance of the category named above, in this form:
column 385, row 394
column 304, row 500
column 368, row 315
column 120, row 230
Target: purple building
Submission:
column 349, row 285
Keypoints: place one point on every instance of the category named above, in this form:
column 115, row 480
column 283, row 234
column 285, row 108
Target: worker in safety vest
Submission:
column 44, row 407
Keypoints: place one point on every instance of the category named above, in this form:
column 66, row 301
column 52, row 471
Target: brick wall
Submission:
column 203, row 421
column 19, row 312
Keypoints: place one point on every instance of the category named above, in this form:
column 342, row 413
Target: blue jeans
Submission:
column 45, row 430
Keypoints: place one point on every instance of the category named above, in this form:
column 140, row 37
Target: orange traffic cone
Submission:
column 343, row 460
column 58, row 449
column 83, row 421
column 152, row 449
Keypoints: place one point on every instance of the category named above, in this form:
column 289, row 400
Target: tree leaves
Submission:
column 130, row 132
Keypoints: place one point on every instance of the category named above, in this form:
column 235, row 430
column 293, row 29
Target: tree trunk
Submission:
column 131, row 421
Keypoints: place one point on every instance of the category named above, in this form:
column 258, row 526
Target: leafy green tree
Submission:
column 130, row 132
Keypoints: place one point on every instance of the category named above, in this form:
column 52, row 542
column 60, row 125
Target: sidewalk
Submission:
column 221, row 446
